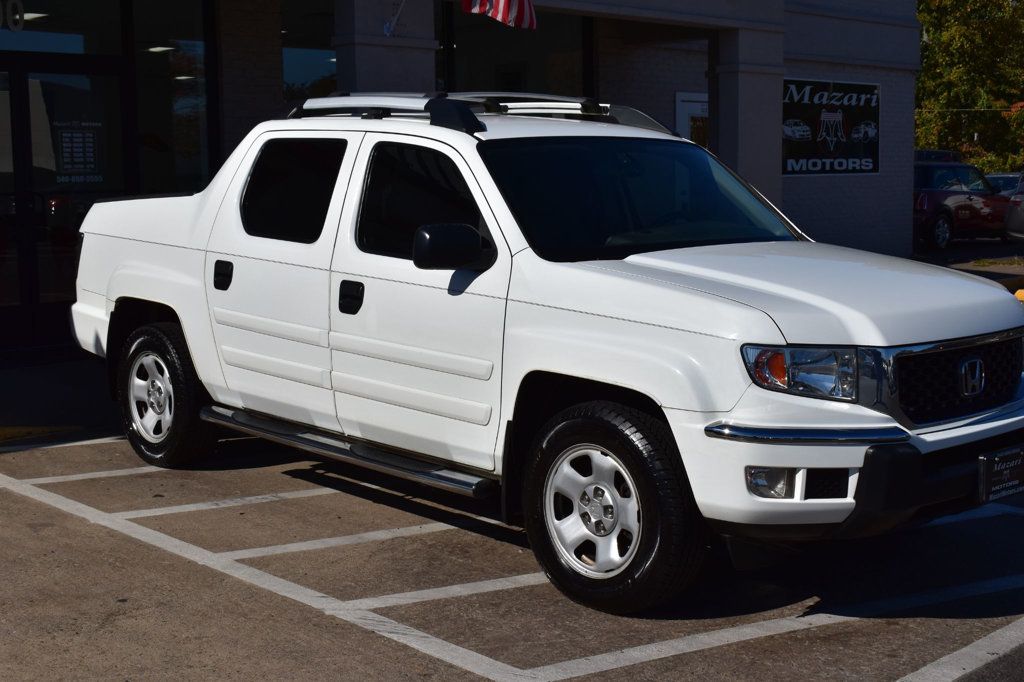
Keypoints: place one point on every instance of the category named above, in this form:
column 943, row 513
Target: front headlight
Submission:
column 827, row 373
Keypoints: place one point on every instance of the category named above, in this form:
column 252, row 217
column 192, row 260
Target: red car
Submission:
column 954, row 200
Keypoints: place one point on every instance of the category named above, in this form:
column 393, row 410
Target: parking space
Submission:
column 261, row 561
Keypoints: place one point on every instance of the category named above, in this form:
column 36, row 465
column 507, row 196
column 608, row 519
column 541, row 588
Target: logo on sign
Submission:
column 830, row 129
column 972, row 377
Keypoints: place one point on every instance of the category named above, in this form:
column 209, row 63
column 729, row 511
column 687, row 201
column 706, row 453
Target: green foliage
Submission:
column 970, row 92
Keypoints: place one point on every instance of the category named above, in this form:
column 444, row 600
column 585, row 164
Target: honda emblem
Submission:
column 972, row 377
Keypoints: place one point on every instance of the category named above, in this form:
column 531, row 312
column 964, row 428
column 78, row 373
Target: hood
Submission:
column 822, row 294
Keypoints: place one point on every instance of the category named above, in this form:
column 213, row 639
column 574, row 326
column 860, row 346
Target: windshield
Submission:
column 600, row 198
column 1004, row 183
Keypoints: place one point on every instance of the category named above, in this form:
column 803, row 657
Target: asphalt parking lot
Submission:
column 263, row 562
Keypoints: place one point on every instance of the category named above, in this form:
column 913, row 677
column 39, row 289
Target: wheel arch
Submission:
column 542, row 395
column 129, row 314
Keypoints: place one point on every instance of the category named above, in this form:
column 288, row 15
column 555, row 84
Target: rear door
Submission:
column 268, row 272
column 988, row 207
column 416, row 354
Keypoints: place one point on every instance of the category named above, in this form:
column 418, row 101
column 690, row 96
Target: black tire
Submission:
column 941, row 232
column 673, row 537
column 186, row 437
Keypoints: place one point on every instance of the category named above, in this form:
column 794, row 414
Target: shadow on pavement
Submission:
column 48, row 399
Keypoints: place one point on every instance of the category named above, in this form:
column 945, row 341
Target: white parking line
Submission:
column 24, row 447
column 428, row 644
column 447, row 592
column 765, row 628
column 683, row 645
column 972, row 656
column 357, row 611
column 324, row 543
column 230, row 502
column 92, row 474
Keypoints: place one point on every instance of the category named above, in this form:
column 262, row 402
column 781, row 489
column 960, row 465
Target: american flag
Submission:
column 515, row 13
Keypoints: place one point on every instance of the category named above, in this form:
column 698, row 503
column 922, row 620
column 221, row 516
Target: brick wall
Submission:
column 644, row 66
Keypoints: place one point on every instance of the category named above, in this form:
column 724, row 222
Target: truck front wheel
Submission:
column 609, row 511
column 160, row 397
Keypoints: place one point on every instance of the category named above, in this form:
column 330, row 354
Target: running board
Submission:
column 359, row 454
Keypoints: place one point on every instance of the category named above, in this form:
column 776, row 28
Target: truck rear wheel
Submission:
column 609, row 511
column 160, row 397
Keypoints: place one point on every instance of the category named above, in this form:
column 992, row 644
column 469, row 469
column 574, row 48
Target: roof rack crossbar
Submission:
column 443, row 111
column 456, row 110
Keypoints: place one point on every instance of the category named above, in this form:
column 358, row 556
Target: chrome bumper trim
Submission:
column 799, row 436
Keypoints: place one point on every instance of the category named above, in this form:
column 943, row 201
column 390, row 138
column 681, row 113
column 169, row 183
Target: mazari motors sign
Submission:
column 829, row 128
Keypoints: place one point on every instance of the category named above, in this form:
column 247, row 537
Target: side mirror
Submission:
column 451, row 246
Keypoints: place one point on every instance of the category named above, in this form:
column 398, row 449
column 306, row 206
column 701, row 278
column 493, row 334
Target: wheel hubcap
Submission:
column 942, row 232
column 151, row 397
column 591, row 511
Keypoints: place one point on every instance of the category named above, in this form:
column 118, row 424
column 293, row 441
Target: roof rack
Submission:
column 457, row 110
column 447, row 113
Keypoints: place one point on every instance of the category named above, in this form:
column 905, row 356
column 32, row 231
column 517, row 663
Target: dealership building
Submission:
column 810, row 100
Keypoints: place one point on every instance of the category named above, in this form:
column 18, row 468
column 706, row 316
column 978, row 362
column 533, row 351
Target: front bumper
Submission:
column 894, row 476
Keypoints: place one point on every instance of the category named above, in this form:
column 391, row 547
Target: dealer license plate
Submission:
column 1002, row 473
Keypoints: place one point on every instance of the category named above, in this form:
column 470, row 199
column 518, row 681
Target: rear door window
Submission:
column 290, row 188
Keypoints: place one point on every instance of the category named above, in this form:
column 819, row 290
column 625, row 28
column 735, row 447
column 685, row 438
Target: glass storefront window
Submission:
column 77, row 158
column 171, row 80
column 307, row 54
column 63, row 26
column 9, row 288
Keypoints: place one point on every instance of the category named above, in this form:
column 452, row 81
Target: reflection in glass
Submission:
column 171, row 78
column 307, row 52
column 9, row 288
column 68, row 26
column 76, row 159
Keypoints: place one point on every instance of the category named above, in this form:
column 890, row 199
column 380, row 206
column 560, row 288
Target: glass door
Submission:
column 10, row 291
column 77, row 159
column 61, row 149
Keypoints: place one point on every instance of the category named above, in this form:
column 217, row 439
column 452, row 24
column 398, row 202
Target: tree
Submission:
column 972, row 76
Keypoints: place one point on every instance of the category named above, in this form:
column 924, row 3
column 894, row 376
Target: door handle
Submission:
column 350, row 296
column 223, row 270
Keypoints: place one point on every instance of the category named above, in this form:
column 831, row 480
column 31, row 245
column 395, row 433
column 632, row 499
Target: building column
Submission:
column 250, row 74
column 748, row 106
column 374, row 55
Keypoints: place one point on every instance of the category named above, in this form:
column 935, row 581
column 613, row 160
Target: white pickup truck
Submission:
column 551, row 300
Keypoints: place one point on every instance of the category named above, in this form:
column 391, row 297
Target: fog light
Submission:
column 770, row 482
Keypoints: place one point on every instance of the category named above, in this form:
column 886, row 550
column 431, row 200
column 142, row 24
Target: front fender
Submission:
column 676, row 369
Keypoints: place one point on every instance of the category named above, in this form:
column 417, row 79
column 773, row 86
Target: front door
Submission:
column 268, row 276
column 61, row 149
column 416, row 353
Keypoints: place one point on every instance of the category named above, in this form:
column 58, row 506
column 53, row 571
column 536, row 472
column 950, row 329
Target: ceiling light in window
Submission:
column 160, row 48
column 184, row 78
column 333, row 59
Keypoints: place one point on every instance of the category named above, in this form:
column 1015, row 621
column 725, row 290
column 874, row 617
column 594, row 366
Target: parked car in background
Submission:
column 955, row 200
column 796, row 130
column 1015, row 212
column 1006, row 183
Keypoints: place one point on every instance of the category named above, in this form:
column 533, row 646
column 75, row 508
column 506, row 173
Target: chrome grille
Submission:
column 921, row 385
column 930, row 385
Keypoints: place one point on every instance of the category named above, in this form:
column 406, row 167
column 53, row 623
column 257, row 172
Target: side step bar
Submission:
column 359, row 454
